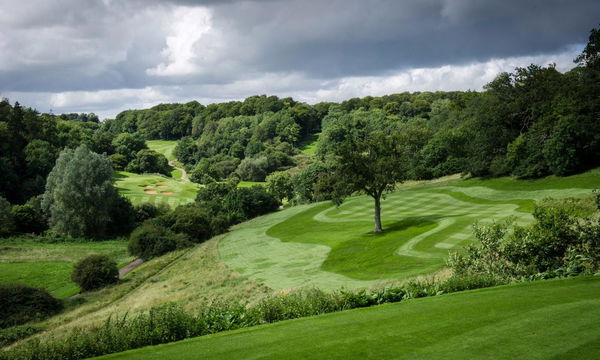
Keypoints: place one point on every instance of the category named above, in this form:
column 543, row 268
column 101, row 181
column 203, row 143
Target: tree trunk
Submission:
column 378, row 228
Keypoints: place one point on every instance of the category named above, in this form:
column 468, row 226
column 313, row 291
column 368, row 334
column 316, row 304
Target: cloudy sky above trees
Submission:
column 108, row 55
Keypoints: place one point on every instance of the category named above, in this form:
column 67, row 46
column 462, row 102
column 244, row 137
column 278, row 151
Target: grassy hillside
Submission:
column 50, row 265
column 554, row 319
column 328, row 247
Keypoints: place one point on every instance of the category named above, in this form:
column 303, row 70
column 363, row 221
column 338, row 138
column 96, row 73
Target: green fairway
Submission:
column 165, row 147
column 309, row 146
column 155, row 189
column 555, row 319
column 50, row 265
column 328, row 247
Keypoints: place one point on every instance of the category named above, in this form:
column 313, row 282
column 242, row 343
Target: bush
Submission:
column 150, row 240
column 149, row 161
column 21, row 303
column 147, row 211
column 7, row 225
column 558, row 243
column 94, row 272
column 191, row 220
column 28, row 219
column 15, row 333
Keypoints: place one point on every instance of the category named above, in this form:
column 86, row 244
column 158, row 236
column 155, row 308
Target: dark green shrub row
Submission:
column 21, row 303
column 171, row 323
column 15, row 333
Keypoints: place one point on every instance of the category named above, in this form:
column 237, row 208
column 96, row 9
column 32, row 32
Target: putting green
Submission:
column 328, row 247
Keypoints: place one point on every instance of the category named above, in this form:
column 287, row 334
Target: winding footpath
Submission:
column 184, row 175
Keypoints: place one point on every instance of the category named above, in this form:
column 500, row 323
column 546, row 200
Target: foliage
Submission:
column 152, row 239
column 94, row 272
column 280, row 185
column 79, row 193
column 149, row 161
column 129, row 145
column 15, row 333
column 146, row 211
column 191, row 220
column 28, row 218
column 557, row 242
column 20, row 304
column 7, row 224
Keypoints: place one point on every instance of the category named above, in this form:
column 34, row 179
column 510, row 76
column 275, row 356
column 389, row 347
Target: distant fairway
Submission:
column 554, row 319
column 328, row 247
column 155, row 189
column 165, row 147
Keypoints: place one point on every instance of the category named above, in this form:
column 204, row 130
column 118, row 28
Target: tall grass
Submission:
column 171, row 323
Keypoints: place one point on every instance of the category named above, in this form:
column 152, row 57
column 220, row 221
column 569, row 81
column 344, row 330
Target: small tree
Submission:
column 79, row 193
column 94, row 272
column 280, row 185
column 372, row 162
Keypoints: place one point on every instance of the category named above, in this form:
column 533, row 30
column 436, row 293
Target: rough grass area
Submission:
column 155, row 189
column 192, row 278
column 50, row 265
column 328, row 247
column 554, row 319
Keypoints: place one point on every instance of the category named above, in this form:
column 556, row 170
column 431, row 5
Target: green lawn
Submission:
column 328, row 247
column 153, row 188
column 251, row 183
column 50, row 265
column 555, row 319
column 309, row 146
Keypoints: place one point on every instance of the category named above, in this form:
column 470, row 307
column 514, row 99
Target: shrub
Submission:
column 147, row 211
column 21, row 303
column 94, row 272
column 15, row 333
column 149, row 161
column 150, row 240
column 28, row 219
column 191, row 220
column 7, row 225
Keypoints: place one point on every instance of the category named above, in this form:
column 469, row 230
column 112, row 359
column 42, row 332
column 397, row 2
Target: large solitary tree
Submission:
column 79, row 193
column 372, row 162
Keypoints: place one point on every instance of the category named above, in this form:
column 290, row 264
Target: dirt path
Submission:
column 184, row 175
column 132, row 265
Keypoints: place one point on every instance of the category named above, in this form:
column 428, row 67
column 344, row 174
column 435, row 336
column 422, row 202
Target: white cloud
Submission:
column 188, row 26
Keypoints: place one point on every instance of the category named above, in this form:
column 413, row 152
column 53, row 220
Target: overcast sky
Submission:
column 106, row 56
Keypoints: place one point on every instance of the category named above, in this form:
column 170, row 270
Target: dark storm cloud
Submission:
column 341, row 37
column 241, row 47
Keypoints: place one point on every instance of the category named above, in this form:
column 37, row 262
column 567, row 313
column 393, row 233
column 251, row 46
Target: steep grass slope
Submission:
column 556, row 319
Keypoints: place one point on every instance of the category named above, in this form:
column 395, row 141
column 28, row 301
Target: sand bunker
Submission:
column 167, row 193
column 151, row 192
column 162, row 186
